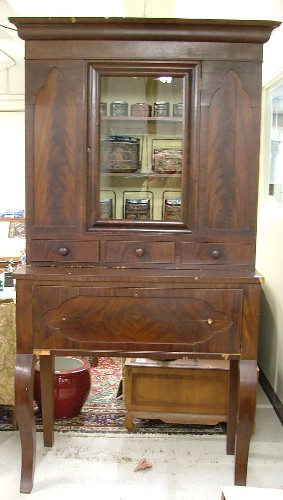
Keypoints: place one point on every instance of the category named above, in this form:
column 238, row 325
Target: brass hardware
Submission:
column 210, row 321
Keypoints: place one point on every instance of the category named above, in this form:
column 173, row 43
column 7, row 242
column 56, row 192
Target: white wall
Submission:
column 12, row 193
column 269, row 260
column 270, row 264
column 207, row 9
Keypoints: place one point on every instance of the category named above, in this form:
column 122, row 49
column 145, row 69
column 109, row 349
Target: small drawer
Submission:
column 158, row 252
column 215, row 253
column 64, row 251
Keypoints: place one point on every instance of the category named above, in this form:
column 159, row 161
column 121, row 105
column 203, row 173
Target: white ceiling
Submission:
column 12, row 47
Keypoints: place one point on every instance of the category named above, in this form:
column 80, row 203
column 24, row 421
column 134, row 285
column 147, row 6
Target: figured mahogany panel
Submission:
column 195, row 320
column 54, row 152
column 227, row 184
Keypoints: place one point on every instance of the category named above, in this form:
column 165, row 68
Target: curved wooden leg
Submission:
column 246, row 416
column 24, row 377
column 232, row 406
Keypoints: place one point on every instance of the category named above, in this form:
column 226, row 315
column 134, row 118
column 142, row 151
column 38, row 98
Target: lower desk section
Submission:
column 203, row 315
column 179, row 391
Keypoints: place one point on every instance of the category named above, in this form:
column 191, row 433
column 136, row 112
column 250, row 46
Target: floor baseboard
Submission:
column 272, row 396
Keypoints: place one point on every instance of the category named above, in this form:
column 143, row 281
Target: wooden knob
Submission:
column 139, row 252
column 215, row 254
column 63, row 251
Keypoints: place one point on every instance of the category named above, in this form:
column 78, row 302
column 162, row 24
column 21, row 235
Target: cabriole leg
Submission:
column 246, row 416
column 24, row 379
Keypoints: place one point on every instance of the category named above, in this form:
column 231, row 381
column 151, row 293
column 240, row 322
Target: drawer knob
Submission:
column 139, row 252
column 215, row 254
column 63, row 251
column 210, row 321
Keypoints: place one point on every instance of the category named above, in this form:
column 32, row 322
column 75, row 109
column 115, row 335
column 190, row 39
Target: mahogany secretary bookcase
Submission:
column 142, row 146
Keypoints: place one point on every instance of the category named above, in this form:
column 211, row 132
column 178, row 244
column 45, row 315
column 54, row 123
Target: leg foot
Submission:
column 129, row 422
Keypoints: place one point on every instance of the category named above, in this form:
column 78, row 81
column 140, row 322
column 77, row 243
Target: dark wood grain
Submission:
column 141, row 29
column 141, row 288
column 202, row 320
column 54, row 152
column 246, row 414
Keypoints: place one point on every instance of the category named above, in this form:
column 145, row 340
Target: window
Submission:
column 274, row 117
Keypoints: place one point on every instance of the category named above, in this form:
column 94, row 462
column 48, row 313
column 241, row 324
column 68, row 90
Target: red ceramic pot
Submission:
column 72, row 383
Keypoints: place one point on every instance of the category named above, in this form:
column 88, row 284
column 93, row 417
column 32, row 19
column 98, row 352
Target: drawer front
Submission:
column 134, row 319
column 158, row 252
column 64, row 251
column 215, row 253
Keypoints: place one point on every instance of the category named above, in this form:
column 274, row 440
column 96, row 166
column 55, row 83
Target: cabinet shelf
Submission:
column 143, row 119
column 140, row 174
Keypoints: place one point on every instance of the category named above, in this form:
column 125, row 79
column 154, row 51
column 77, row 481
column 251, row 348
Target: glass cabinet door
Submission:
column 139, row 148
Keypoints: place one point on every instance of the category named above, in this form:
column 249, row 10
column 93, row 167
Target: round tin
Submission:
column 106, row 208
column 119, row 108
column 141, row 109
column 103, row 108
column 178, row 109
column 161, row 108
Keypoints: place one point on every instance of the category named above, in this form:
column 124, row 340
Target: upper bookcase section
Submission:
column 190, row 30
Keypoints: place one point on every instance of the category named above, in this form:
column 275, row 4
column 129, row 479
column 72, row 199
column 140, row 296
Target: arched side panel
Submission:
column 228, row 161
column 54, row 152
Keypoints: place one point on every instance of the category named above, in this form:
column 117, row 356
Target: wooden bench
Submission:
column 180, row 391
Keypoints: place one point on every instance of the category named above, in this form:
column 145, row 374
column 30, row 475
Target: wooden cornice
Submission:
column 190, row 30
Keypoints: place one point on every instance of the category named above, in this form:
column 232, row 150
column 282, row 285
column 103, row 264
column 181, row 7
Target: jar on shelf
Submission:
column 161, row 108
column 103, row 108
column 119, row 108
column 141, row 109
column 178, row 109
column 106, row 208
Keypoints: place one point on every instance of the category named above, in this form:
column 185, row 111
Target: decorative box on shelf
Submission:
column 167, row 160
column 120, row 154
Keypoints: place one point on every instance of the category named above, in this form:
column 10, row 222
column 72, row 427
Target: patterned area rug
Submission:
column 104, row 412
